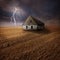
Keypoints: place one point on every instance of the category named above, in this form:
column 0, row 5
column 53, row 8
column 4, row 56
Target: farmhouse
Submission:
column 32, row 23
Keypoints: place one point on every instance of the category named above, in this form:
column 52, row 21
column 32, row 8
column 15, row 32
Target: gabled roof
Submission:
column 38, row 22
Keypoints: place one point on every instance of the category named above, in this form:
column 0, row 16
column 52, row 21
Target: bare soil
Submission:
column 17, row 44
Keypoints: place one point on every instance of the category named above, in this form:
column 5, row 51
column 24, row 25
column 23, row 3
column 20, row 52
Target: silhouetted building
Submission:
column 32, row 23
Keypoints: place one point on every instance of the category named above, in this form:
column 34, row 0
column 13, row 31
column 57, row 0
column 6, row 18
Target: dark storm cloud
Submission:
column 46, row 9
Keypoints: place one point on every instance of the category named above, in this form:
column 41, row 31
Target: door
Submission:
column 31, row 27
column 26, row 27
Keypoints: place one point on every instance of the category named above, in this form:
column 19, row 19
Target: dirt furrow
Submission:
column 27, row 46
column 19, row 40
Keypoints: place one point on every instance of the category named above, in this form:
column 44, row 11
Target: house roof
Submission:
column 38, row 22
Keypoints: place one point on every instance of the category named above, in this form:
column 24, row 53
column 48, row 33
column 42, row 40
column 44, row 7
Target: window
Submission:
column 30, row 21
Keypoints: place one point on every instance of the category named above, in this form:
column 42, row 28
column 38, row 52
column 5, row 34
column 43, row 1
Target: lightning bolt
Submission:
column 13, row 16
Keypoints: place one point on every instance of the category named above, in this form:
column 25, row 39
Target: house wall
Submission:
column 40, row 27
column 30, row 27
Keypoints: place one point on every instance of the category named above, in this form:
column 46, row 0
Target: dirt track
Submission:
column 16, row 44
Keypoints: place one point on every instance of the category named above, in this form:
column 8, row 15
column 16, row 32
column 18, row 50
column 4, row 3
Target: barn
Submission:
column 32, row 23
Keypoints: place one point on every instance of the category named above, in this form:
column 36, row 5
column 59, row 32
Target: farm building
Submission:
column 32, row 23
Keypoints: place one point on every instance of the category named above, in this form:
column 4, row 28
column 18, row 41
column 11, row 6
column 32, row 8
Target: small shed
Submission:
column 32, row 23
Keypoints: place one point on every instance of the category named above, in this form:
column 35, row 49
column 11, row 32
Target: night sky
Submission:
column 46, row 10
